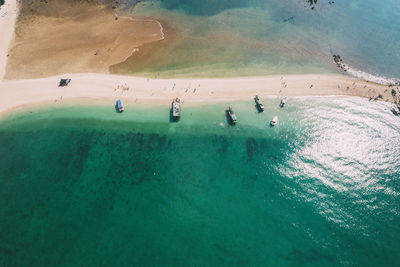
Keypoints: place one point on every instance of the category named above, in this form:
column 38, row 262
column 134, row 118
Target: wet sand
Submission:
column 150, row 54
column 65, row 36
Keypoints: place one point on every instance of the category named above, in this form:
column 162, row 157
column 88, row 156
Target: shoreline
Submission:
column 92, row 86
column 87, row 102
column 18, row 93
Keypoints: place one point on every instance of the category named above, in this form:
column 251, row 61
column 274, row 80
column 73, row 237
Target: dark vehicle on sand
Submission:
column 64, row 82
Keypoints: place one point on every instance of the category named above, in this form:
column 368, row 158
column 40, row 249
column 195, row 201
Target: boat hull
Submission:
column 176, row 109
column 231, row 116
column 259, row 105
column 274, row 121
column 283, row 102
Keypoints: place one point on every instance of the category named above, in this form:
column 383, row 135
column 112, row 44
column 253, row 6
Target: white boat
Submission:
column 274, row 121
column 283, row 101
column 176, row 109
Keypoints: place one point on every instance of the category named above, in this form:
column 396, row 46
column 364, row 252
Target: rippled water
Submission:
column 86, row 186
column 258, row 37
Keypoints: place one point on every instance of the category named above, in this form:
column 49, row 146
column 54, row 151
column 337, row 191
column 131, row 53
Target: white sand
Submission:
column 8, row 15
column 88, row 86
column 142, row 90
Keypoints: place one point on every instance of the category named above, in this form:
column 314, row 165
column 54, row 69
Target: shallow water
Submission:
column 87, row 186
column 258, row 37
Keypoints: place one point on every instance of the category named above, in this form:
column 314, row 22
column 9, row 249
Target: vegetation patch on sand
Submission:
column 67, row 36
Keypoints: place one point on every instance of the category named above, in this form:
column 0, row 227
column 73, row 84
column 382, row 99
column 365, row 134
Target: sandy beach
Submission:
column 17, row 93
column 8, row 15
column 142, row 90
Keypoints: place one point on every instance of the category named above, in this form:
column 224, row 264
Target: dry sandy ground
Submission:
column 62, row 36
column 8, row 14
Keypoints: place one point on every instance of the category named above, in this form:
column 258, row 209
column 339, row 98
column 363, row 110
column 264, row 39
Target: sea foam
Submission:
column 371, row 77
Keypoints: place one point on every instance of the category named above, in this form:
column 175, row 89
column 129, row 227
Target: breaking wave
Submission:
column 371, row 77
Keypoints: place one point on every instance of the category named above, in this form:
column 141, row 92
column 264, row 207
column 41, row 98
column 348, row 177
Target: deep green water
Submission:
column 86, row 186
column 258, row 37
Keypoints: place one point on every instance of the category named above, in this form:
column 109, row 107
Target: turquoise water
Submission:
column 86, row 186
column 232, row 37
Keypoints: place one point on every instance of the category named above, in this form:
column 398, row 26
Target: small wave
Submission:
column 364, row 75
column 371, row 77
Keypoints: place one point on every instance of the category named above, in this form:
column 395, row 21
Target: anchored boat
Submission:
column 274, row 121
column 231, row 115
column 176, row 109
column 283, row 101
column 120, row 107
column 260, row 105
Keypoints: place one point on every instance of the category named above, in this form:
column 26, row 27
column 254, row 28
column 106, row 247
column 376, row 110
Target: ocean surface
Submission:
column 85, row 186
column 259, row 37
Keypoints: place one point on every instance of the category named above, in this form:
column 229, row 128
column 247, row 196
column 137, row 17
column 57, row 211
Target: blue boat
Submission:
column 120, row 106
column 231, row 115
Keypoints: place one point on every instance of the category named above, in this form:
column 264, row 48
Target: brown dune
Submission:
column 62, row 36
